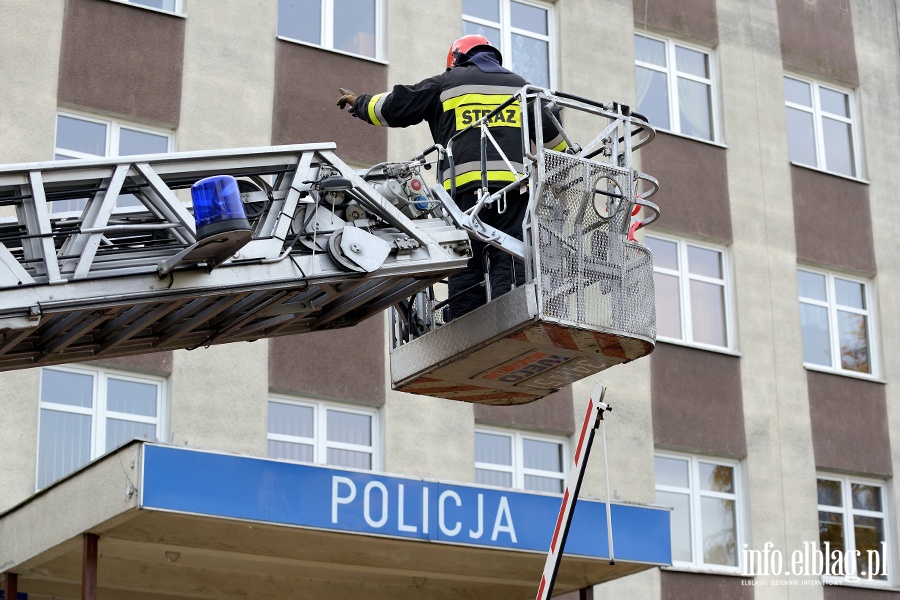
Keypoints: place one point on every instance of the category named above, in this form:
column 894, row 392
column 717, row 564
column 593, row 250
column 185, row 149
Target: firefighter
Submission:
column 474, row 83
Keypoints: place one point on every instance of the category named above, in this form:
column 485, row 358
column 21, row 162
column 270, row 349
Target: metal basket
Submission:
column 588, row 273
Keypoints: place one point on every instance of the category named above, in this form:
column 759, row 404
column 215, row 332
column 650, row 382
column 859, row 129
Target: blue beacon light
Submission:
column 217, row 206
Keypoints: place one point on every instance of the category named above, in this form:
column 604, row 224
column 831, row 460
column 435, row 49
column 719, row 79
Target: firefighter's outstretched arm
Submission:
column 403, row 106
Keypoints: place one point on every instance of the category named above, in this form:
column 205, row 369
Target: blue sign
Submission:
column 257, row 489
column 19, row 595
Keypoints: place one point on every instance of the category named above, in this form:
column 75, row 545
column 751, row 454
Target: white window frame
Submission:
column 518, row 469
column 672, row 76
column 177, row 11
column 319, row 441
column 684, row 280
column 831, row 305
column 848, row 513
column 695, row 494
column 326, row 32
column 507, row 31
column 99, row 412
column 819, row 114
column 113, row 135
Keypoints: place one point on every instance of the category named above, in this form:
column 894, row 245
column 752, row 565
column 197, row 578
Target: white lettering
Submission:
column 477, row 534
column 441, row 513
column 400, row 524
column 336, row 498
column 503, row 511
column 797, row 562
column 424, row 511
column 367, row 513
column 873, row 570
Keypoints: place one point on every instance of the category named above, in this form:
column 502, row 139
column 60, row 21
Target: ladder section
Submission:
column 101, row 258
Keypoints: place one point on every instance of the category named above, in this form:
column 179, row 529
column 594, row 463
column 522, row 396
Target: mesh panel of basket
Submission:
column 590, row 274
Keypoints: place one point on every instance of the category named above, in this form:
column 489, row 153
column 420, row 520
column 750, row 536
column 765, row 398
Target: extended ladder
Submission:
column 126, row 273
column 102, row 258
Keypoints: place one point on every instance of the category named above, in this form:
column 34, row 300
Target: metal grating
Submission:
column 590, row 274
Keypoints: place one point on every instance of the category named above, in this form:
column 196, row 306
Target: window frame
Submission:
column 672, row 75
column 818, row 129
column 326, row 32
column 684, row 279
column 517, row 468
column 99, row 412
column 507, row 31
column 113, row 135
column 319, row 441
column 830, row 304
column 178, row 11
column 848, row 513
column 695, row 494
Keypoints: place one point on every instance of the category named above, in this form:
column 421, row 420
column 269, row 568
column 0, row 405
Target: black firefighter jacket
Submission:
column 450, row 102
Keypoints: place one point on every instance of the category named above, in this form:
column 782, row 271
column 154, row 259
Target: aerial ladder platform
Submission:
column 110, row 257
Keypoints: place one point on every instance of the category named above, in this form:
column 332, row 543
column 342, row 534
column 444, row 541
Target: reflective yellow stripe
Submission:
column 495, row 99
column 505, row 176
column 560, row 146
column 371, row 109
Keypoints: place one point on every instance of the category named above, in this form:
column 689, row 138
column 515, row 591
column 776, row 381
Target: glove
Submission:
column 347, row 98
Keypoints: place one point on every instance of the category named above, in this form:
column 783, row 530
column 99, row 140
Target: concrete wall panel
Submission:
column 689, row 586
column 697, row 401
column 30, row 46
column 19, row 402
column 229, row 75
column 156, row 363
column 122, row 60
column 552, row 414
column 807, row 47
column 342, row 363
column 690, row 204
column 780, row 466
column 849, row 424
column 219, row 398
column 306, row 91
column 832, row 220
column 691, row 18
column 875, row 25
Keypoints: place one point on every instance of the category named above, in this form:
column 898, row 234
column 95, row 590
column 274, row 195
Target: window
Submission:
column 352, row 26
column 172, row 6
column 835, row 320
column 852, row 526
column 85, row 413
column 518, row 460
column 704, row 497
column 521, row 30
column 692, row 298
column 675, row 87
column 79, row 136
column 323, row 433
column 820, row 123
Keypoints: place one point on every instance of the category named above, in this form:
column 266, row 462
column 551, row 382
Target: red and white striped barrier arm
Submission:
column 592, row 418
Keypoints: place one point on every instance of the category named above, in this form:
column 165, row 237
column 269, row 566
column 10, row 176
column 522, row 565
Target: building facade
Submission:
column 764, row 419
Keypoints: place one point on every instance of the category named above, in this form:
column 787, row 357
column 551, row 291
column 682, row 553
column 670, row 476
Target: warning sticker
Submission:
column 524, row 366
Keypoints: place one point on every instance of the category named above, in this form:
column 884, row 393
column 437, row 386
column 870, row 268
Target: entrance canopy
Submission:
column 179, row 523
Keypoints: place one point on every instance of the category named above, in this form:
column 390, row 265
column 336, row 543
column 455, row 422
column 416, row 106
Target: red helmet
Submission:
column 465, row 45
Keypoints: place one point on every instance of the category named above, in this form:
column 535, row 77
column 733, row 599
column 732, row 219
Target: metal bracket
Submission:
column 213, row 251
